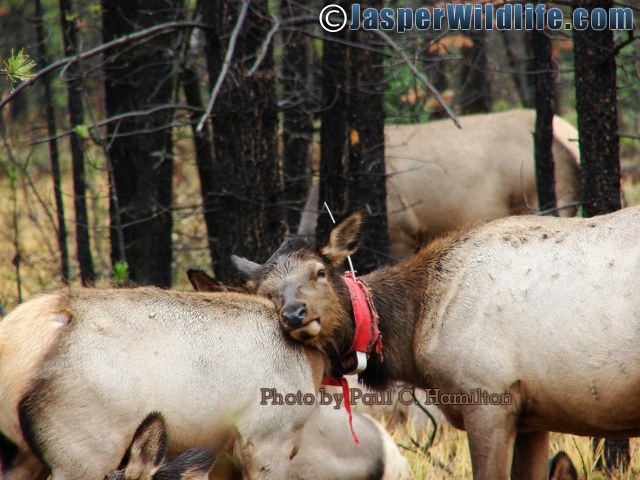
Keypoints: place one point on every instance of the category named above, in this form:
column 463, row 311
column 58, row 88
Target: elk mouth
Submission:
column 304, row 332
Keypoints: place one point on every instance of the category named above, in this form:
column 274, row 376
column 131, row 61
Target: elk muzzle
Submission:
column 297, row 321
column 293, row 314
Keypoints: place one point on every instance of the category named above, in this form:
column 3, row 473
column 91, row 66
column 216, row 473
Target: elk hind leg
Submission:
column 491, row 433
column 530, row 456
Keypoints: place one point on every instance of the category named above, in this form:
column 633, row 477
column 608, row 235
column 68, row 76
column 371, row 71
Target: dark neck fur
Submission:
column 397, row 297
column 401, row 294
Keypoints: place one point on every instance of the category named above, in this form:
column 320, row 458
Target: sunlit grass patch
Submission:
column 449, row 455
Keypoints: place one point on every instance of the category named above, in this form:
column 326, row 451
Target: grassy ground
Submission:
column 449, row 456
column 29, row 259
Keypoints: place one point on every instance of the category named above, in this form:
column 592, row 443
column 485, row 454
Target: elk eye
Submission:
column 321, row 273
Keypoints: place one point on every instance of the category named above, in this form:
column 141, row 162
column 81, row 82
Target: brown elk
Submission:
column 518, row 327
column 327, row 450
column 441, row 177
column 148, row 456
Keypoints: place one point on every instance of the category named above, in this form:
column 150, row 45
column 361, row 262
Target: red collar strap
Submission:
column 366, row 339
column 342, row 382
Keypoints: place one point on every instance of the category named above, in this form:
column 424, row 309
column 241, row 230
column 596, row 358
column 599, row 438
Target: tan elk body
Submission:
column 92, row 362
column 442, row 177
column 542, row 312
column 82, row 367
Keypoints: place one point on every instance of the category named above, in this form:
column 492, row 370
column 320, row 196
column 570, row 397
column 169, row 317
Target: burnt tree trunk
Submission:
column 54, row 156
column 333, row 130
column 248, row 210
column 367, row 175
column 141, row 148
column 543, row 137
column 297, row 131
column 204, row 160
column 597, row 110
column 475, row 96
column 69, row 25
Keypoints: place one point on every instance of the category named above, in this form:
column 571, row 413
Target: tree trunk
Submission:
column 61, row 232
column 520, row 64
column 297, row 129
column 475, row 94
column 69, row 25
column 543, row 138
column 333, row 130
column 141, row 148
column 596, row 106
column 16, row 34
column 367, row 175
column 248, row 210
column 204, row 161
column 597, row 110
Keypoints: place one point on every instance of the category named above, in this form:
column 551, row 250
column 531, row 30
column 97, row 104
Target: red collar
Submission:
column 366, row 338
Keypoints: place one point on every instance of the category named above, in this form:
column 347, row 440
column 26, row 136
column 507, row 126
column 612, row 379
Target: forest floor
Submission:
column 449, row 458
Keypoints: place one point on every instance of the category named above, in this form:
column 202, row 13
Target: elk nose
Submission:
column 294, row 315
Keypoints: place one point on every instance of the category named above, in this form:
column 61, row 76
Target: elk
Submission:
column 561, row 468
column 517, row 327
column 79, row 368
column 441, row 177
column 393, row 413
column 148, row 456
column 327, row 450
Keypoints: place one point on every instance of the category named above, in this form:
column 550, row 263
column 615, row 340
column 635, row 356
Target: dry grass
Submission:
column 30, row 234
column 449, row 456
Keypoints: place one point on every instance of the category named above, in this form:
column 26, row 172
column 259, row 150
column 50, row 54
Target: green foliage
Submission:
column 18, row 67
column 404, row 96
column 95, row 9
column 14, row 176
column 120, row 272
column 70, row 16
column 82, row 131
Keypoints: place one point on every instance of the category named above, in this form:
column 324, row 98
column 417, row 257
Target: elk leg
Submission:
column 530, row 456
column 491, row 433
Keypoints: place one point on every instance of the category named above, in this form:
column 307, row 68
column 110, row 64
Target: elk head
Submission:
column 307, row 288
column 147, row 456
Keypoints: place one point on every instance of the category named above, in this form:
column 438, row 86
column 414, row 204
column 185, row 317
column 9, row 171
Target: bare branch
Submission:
column 265, row 46
column 226, row 64
column 630, row 39
column 419, row 75
column 155, row 30
column 120, row 117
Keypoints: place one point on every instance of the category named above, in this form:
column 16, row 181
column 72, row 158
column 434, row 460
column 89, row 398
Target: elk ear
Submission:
column 343, row 238
column 561, row 467
column 148, row 447
column 247, row 269
column 194, row 464
column 202, row 282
